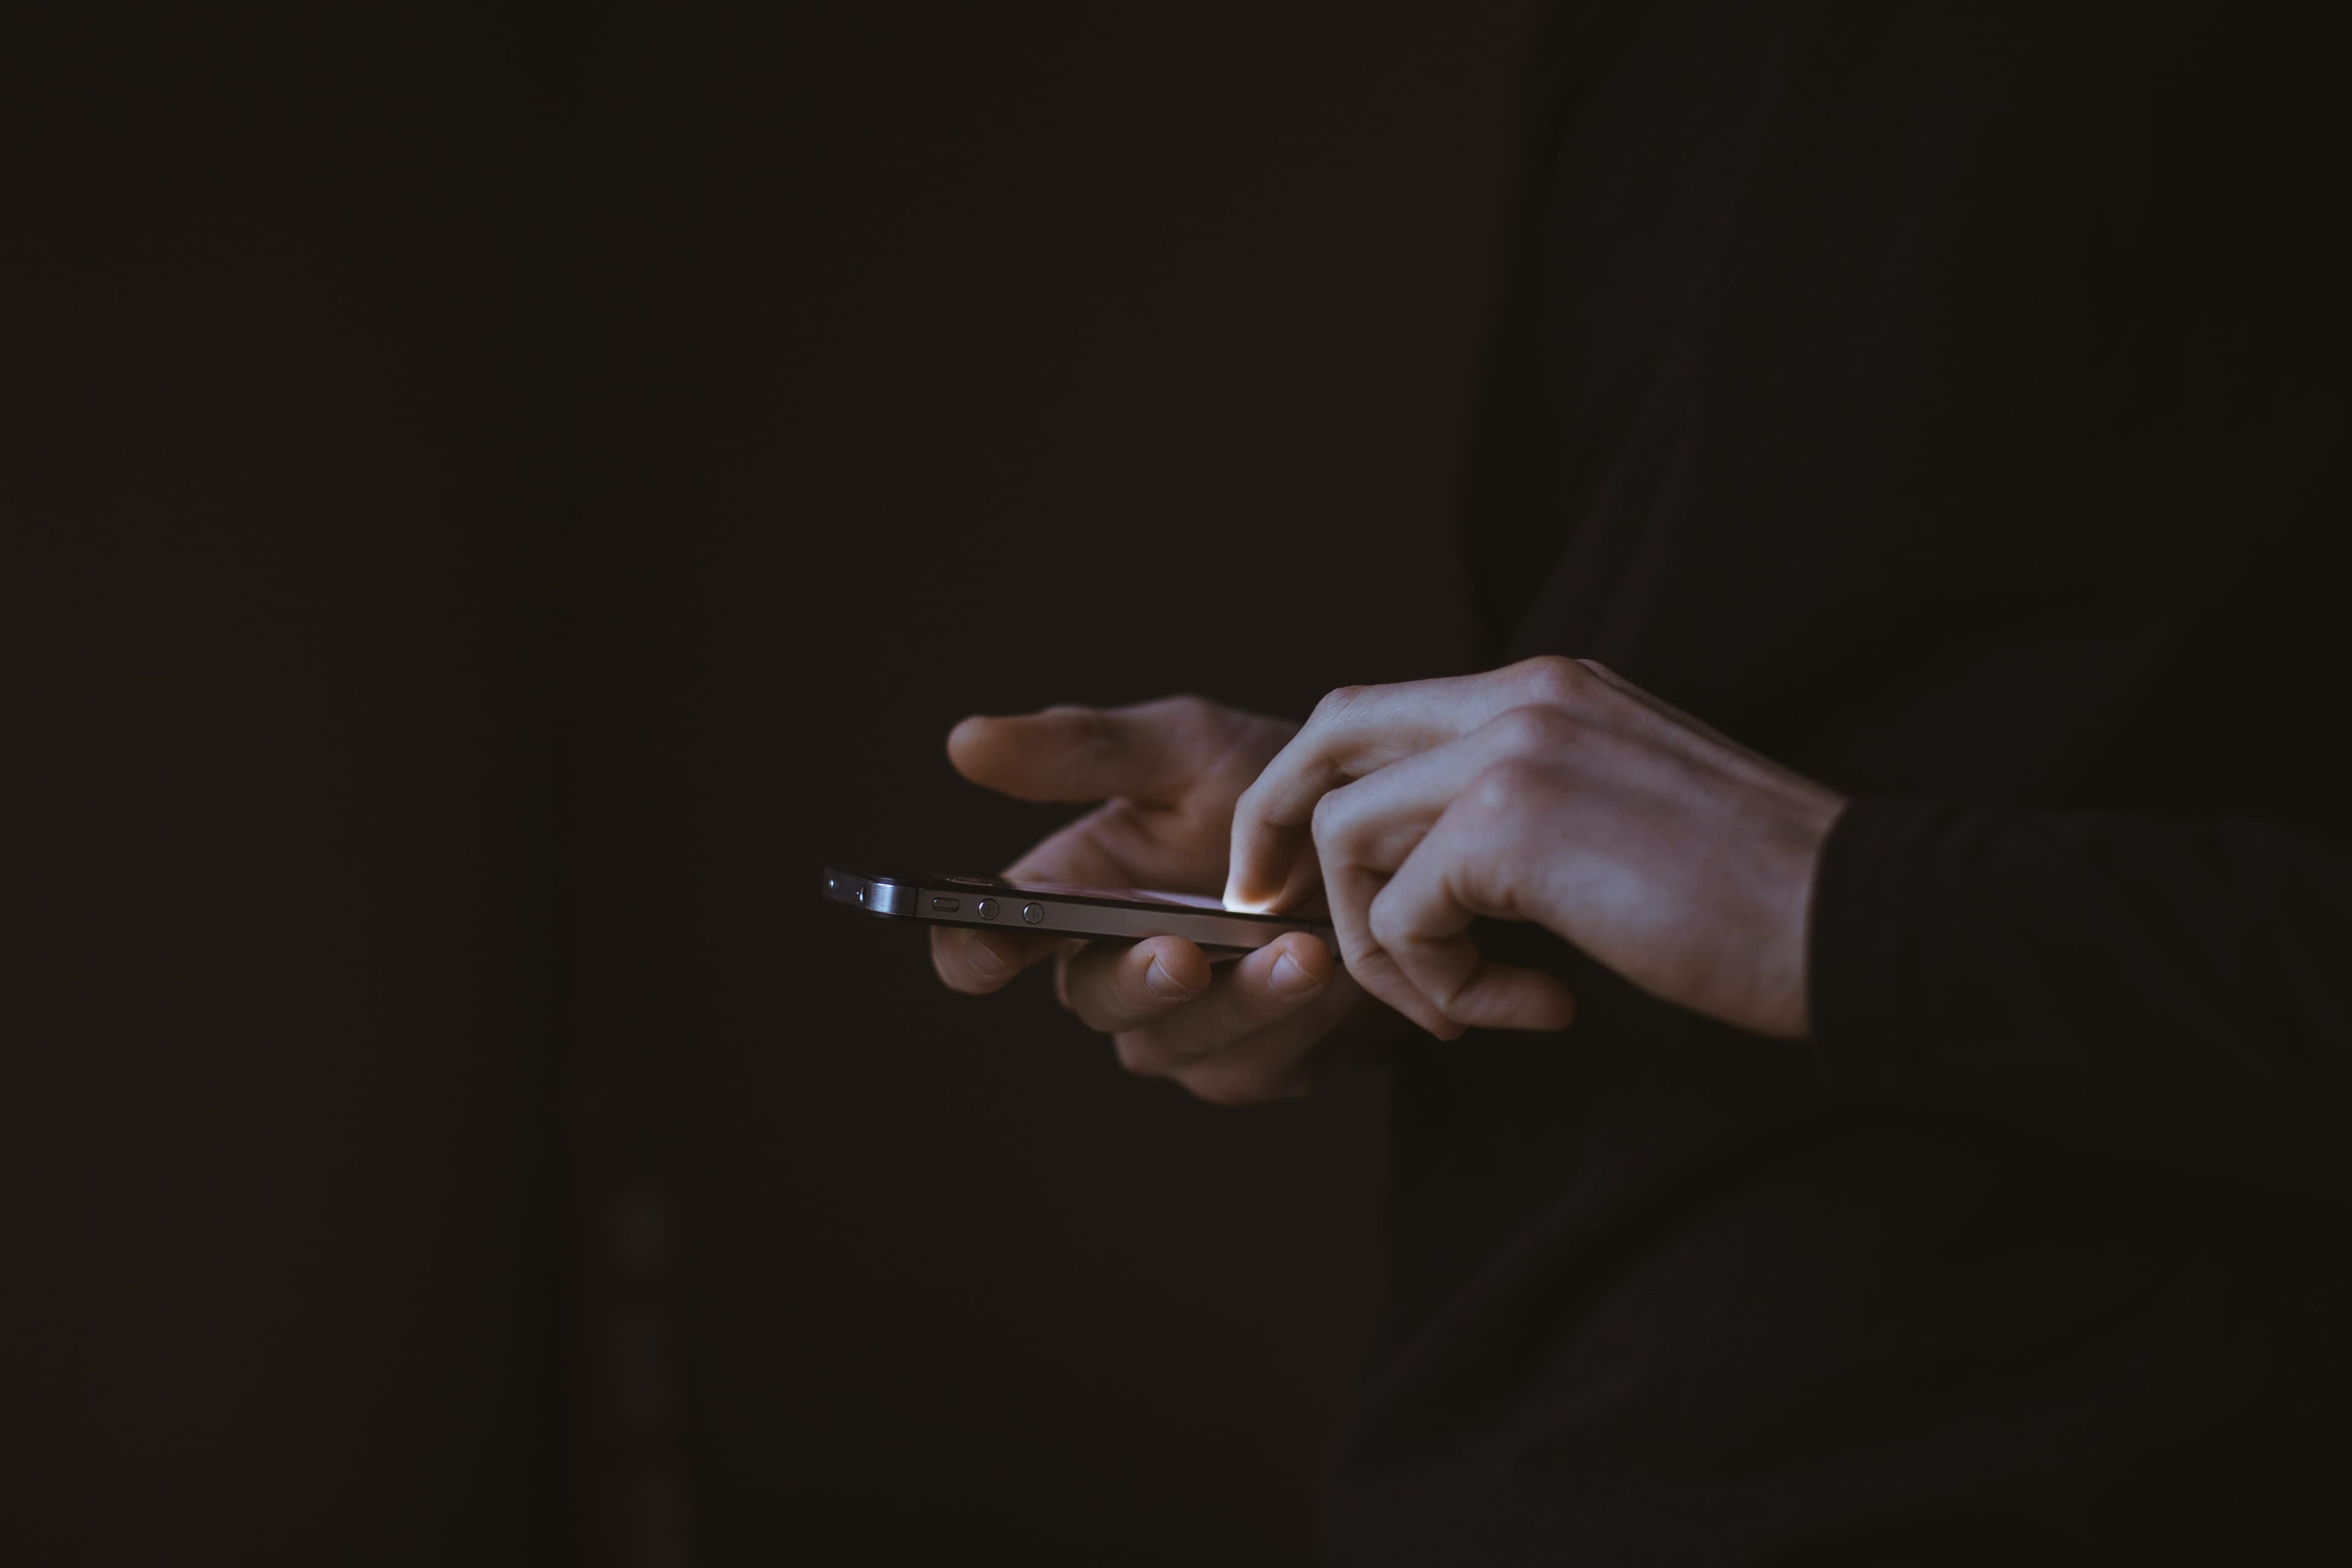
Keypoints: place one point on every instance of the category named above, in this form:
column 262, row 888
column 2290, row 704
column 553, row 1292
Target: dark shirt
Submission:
column 1949, row 401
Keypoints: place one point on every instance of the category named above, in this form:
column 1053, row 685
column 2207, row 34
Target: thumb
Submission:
column 1152, row 753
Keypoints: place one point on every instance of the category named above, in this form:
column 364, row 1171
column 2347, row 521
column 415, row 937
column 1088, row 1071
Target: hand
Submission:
column 1168, row 773
column 1550, row 791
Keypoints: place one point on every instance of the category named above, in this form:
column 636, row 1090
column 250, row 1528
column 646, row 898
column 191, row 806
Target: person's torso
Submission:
column 1947, row 402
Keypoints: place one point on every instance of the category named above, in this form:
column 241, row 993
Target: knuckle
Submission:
column 1362, row 957
column 1331, row 823
column 1553, row 679
column 1338, row 701
column 1535, row 728
column 1504, row 788
column 1187, row 714
column 1190, row 708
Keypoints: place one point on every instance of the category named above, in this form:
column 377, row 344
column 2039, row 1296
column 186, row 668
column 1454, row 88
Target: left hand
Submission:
column 1550, row 791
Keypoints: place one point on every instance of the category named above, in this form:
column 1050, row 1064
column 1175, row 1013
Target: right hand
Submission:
column 1168, row 774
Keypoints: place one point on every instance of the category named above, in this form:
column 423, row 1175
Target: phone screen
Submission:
column 1112, row 894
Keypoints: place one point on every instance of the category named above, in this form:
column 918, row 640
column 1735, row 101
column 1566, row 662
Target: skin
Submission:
column 1166, row 775
column 1550, row 791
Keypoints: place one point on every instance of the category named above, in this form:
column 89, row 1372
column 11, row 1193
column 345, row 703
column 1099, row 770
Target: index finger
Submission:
column 1356, row 730
column 1149, row 752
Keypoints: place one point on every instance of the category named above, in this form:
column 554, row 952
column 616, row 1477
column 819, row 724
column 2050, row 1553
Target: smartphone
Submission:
column 1052, row 908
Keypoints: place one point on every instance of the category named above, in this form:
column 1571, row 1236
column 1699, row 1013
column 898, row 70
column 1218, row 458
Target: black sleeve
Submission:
column 2174, row 990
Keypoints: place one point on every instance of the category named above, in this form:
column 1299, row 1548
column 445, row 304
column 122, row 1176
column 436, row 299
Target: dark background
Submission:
column 490, row 499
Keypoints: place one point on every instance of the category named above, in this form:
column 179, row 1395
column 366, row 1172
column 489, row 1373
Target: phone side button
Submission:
column 1032, row 913
column 986, row 909
column 947, row 906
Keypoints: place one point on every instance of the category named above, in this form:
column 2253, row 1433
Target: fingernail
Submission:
column 984, row 960
column 1164, row 985
column 1290, row 978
